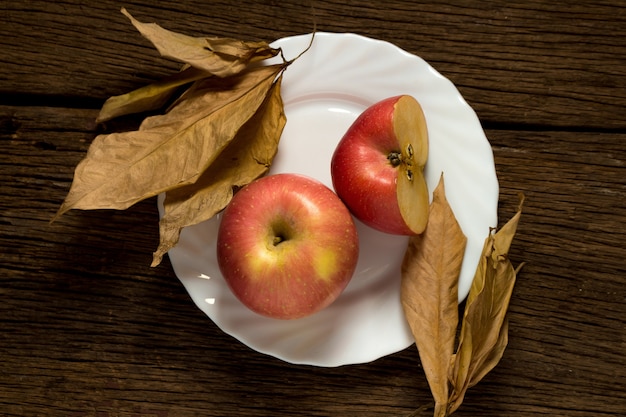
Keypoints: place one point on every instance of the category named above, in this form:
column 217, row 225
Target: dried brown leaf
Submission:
column 171, row 150
column 222, row 57
column 246, row 158
column 484, row 329
column 150, row 97
column 429, row 293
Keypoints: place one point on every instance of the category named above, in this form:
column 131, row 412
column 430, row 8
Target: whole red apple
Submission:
column 287, row 246
column 377, row 167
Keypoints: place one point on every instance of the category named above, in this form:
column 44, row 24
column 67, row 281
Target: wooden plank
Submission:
column 535, row 63
column 89, row 329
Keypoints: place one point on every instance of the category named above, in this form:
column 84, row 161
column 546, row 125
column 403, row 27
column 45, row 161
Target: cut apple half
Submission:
column 409, row 124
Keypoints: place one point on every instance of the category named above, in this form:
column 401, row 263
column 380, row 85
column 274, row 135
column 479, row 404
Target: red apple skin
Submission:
column 309, row 268
column 362, row 175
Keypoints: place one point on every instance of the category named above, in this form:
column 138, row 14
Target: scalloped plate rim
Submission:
column 326, row 347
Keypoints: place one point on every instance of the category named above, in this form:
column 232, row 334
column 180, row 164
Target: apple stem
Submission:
column 395, row 158
column 277, row 240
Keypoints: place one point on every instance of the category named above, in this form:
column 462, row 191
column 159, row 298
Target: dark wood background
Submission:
column 87, row 328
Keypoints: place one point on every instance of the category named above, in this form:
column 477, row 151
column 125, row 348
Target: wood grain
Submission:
column 536, row 63
column 87, row 328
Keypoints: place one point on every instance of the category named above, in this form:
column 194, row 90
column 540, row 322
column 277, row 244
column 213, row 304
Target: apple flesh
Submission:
column 287, row 246
column 378, row 167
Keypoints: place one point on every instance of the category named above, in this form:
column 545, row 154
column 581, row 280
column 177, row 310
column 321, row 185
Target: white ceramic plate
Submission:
column 324, row 91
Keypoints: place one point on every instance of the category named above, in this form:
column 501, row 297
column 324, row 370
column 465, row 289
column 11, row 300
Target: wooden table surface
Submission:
column 88, row 328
